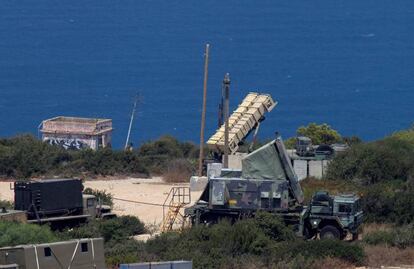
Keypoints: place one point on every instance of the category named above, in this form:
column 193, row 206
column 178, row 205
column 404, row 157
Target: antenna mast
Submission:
column 132, row 119
column 203, row 113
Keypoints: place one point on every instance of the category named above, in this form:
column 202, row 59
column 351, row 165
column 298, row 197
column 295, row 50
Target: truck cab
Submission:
column 333, row 217
column 347, row 207
column 94, row 208
column 304, row 146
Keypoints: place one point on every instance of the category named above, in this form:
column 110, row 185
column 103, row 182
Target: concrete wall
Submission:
column 70, row 141
column 301, row 168
column 310, row 168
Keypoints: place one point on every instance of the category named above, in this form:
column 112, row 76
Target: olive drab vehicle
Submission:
column 267, row 182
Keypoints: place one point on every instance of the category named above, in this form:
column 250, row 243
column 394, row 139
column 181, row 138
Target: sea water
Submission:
column 348, row 63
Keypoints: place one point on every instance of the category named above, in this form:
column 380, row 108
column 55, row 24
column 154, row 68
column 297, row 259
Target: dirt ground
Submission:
column 152, row 190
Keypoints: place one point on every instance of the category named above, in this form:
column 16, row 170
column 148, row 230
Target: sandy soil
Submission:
column 152, row 190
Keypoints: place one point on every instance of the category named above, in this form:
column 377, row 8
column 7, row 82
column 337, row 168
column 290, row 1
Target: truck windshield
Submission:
column 357, row 206
column 345, row 208
column 90, row 202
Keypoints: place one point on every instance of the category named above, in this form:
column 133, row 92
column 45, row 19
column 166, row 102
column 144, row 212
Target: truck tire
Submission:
column 330, row 232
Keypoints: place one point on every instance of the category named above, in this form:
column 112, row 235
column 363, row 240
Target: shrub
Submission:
column 113, row 229
column 13, row 233
column 157, row 154
column 401, row 237
column 273, row 226
column 6, row 204
column 378, row 237
column 388, row 202
column 385, row 160
column 406, row 135
column 317, row 249
column 178, row 170
column 124, row 251
column 103, row 196
column 263, row 242
column 121, row 227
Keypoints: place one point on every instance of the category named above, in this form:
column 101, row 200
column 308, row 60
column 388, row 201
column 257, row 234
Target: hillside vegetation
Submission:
column 382, row 172
column 25, row 156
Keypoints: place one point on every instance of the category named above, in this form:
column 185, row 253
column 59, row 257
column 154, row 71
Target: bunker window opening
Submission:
column 84, row 247
column 47, row 251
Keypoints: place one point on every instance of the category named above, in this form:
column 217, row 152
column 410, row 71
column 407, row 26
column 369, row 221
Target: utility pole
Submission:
column 220, row 108
column 203, row 113
column 131, row 120
column 226, row 86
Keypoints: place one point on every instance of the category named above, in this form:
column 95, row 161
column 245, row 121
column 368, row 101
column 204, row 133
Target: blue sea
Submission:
column 349, row 63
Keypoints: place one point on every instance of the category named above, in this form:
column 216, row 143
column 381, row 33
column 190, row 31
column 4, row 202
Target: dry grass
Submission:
column 329, row 263
column 378, row 256
column 375, row 227
column 311, row 185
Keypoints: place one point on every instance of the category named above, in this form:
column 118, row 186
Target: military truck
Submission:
column 59, row 202
column 304, row 147
column 268, row 182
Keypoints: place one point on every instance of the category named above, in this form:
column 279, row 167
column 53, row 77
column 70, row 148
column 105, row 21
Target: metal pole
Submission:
column 130, row 122
column 203, row 113
column 226, row 84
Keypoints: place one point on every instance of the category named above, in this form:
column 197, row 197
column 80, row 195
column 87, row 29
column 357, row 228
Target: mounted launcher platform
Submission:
column 244, row 119
column 267, row 182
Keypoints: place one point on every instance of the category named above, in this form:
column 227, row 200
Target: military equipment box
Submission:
column 49, row 197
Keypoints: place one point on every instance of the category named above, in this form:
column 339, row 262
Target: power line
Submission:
column 144, row 203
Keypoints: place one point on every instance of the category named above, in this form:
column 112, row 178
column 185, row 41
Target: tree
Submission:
column 320, row 134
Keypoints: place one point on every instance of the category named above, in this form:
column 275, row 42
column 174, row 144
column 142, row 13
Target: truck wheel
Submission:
column 330, row 232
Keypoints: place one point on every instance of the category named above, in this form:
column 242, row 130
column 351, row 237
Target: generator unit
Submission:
column 47, row 198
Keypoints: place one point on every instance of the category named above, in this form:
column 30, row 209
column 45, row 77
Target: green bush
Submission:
column 406, row 135
column 103, row 196
column 25, row 156
column 125, row 251
column 370, row 163
column 13, row 233
column 121, row 227
column 6, row 204
column 112, row 229
column 157, row 154
column 273, row 227
column 263, row 241
column 317, row 249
